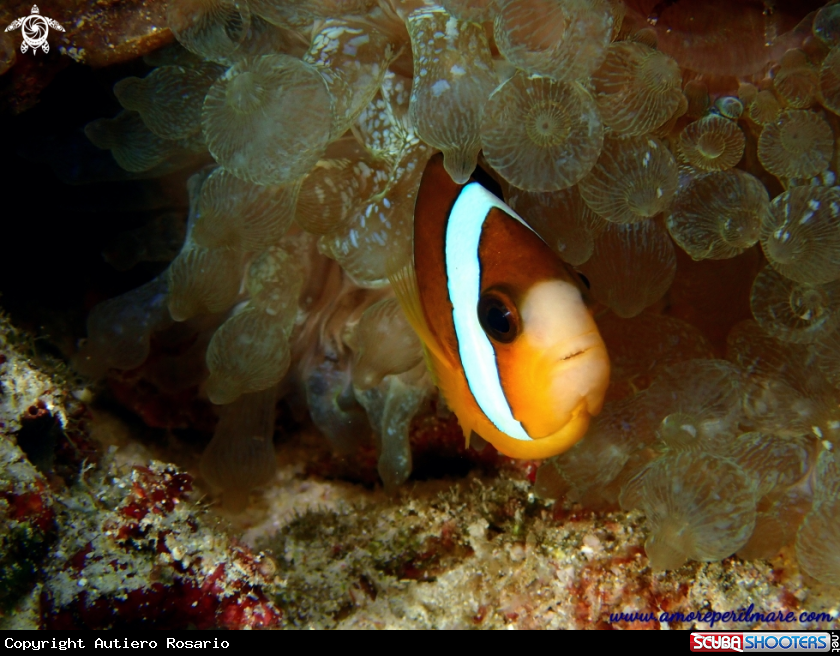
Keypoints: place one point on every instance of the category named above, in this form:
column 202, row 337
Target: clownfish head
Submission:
column 551, row 361
column 511, row 342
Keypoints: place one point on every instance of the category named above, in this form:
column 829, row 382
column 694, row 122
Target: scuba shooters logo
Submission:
column 762, row 641
column 35, row 29
column 717, row 641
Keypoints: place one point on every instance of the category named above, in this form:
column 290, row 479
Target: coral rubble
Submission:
column 485, row 552
column 88, row 542
column 685, row 173
column 131, row 553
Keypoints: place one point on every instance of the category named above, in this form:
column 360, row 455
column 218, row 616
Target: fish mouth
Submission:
column 574, row 355
column 582, row 345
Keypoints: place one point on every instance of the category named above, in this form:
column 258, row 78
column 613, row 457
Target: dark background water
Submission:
column 64, row 201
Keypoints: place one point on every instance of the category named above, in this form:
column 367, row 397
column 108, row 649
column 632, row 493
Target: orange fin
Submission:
column 404, row 284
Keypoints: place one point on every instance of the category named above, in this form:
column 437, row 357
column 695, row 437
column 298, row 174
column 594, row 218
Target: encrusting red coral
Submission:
column 87, row 542
column 27, row 524
column 148, row 560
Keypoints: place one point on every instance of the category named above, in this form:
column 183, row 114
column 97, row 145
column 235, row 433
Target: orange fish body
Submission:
column 508, row 338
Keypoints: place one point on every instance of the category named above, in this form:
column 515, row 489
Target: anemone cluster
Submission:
column 649, row 149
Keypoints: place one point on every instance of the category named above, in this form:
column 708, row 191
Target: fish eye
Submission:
column 498, row 317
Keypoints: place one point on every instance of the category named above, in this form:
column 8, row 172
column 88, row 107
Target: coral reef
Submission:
column 29, row 525
column 678, row 158
column 485, row 552
column 90, row 539
column 131, row 553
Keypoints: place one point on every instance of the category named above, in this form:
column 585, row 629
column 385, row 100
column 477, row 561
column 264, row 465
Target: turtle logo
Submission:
column 35, row 29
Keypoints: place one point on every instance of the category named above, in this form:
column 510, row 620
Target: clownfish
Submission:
column 507, row 336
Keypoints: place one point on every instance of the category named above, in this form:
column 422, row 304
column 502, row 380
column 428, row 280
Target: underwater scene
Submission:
column 413, row 314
